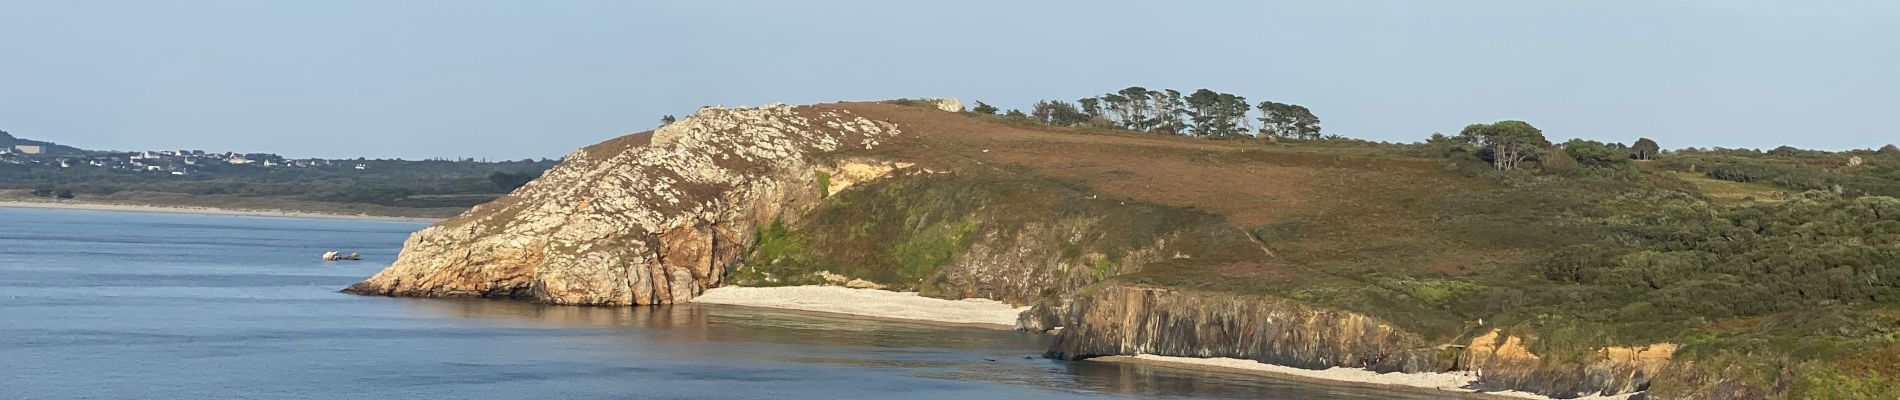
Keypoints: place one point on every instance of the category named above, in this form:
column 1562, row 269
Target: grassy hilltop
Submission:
column 1776, row 270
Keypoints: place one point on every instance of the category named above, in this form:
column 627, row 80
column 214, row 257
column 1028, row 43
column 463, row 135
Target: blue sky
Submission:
column 418, row 79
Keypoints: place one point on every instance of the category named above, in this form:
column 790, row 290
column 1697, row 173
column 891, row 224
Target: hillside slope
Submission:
column 1601, row 281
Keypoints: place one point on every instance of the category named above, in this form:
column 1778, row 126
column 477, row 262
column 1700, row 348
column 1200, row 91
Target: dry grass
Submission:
column 1349, row 213
column 1728, row 192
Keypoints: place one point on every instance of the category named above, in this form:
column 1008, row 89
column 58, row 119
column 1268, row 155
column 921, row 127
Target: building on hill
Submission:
column 28, row 149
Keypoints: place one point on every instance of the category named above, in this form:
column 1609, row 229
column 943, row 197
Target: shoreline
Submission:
column 88, row 206
column 868, row 303
column 1436, row 384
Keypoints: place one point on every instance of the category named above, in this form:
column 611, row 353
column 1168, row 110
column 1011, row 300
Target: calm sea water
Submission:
column 111, row 305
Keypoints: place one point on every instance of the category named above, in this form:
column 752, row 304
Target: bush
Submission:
column 1596, row 154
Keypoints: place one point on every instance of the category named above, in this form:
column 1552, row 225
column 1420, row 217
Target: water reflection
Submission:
column 750, row 335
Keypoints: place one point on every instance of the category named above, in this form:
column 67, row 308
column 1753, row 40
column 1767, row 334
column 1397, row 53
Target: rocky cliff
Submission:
column 650, row 218
column 1137, row 254
column 1131, row 320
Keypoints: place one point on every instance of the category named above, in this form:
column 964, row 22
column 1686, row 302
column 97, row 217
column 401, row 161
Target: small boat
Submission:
column 335, row 256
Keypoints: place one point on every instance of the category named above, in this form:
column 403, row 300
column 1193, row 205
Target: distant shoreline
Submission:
column 88, row 206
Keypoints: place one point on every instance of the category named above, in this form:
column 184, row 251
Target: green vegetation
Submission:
column 1796, row 170
column 1204, row 113
column 779, row 258
column 1507, row 144
column 1592, row 153
column 1777, row 270
column 984, row 109
column 1289, row 121
column 918, row 232
column 824, row 184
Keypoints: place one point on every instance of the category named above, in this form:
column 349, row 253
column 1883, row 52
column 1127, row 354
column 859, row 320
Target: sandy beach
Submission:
column 73, row 205
column 1449, row 384
column 869, row 303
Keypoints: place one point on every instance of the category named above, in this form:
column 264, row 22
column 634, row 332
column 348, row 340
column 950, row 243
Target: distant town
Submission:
column 32, row 153
column 42, row 170
column 173, row 162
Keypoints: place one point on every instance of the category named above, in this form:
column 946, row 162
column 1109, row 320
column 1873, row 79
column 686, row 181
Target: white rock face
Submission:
column 950, row 104
column 637, row 219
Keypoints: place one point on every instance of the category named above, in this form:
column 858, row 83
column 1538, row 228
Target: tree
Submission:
column 667, row 120
column 1135, row 108
column 1595, row 154
column 1117, row 108
column 984, row 109
column 65, row 194
column 1170, row 111
column 1091, row 106
column 1058, row 113
column 1645, row 149
column 1015, row 113
column 1203, row 109
column 1217, row 115
column 1289, row 121
column 1440, row 145
column 1234, row 108
column 1889, row 150
column 1508, row 143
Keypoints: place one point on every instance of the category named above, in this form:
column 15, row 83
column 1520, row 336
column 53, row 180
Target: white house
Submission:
column 28, row 149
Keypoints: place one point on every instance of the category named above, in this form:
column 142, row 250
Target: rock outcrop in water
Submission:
column 642, row 219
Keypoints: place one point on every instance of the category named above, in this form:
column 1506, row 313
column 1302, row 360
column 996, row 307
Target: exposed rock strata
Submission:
column 634, row 220
column 1126, row 320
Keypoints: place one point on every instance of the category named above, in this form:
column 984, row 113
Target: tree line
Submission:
column 1507, row 145
column 1204, row 113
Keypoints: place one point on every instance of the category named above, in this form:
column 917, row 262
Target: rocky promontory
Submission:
column 648, row 218
column 1122, row 244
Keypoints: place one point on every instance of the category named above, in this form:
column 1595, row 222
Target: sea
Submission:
column 133, row 305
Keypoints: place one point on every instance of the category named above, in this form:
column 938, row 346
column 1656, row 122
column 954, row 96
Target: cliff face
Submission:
column 1124, row 320
column 977, row 234
column 643, row 219
column 1129, row 320
column 953, row 209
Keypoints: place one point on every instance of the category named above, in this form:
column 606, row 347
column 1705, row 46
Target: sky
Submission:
column 522, row 79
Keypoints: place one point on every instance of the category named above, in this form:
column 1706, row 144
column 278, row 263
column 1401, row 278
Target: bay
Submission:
column 128, row 305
